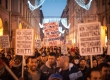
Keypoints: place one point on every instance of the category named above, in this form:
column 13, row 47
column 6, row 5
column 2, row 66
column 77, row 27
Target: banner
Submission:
column 38, row 43
column 4, row 41
column 90, row 38
column 25, row 42
column 51, row 33
column 52, row 41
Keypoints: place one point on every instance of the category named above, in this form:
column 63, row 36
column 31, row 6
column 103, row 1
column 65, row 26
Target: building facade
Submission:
column 16, row 14
column 99, row 12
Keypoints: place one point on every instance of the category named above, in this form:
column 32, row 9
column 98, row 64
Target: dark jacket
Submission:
column 72, row 73
column 47, row 70
column 28, row 76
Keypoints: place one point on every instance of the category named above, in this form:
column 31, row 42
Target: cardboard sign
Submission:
column 51, row 34
column 90, row 42
column 64, row 49
column 25, row 42
column 52, row 41
column 4, row 41
column 38, row 43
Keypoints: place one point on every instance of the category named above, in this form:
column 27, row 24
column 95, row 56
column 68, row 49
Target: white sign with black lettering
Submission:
column 64, row 49
column 90, row 42
column 4, row 41
column 25, row 42
column 38, row 43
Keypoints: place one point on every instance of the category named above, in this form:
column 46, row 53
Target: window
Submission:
column 20, row 7
column 103, row 2
column 6, row 4
column 0, row 1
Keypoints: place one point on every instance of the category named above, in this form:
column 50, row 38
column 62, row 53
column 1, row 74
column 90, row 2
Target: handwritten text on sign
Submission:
column 52, row 41
column 90, row 38
column 38, row 43
column 4, row 41
column 51, row 30
column 24, row 41
column 51, row 33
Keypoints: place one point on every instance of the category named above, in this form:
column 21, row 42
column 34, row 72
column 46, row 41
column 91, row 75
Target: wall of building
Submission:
column 18, row 15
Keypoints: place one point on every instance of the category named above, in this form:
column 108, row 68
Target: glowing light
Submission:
column 64, row 22
column 47, row 20
column 43, row 31
column 60, row 30
column 38, row 3
column 41, row 26
column 83, row 5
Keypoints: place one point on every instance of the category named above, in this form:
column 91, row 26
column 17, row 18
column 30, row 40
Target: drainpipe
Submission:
column 10, row 35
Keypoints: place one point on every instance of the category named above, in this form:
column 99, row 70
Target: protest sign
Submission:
column 4, row 41
column 25, row 42
column 38, row 43
column 52, row 41
column 64, row 49
column 51, row 34
column 90, row 42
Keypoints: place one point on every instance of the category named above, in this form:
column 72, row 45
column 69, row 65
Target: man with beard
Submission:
column 33, row 73
column 83, row 67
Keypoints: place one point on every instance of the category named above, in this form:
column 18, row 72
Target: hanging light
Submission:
column 38, row 3
column 82, row 4
column 64, row 22
column 41, row 26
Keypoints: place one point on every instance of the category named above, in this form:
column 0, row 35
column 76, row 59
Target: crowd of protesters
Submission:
column 50, row 64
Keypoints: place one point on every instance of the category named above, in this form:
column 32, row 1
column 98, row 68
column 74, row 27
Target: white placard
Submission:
column 51, row 34
column 4, row 41
column 38, row 43
column 25, row 42
column 90, row 42
column 64, row 49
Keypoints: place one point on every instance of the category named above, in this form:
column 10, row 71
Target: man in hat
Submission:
column 50, row 66
column 42, row 60
column 72, row 55
column 55, row 77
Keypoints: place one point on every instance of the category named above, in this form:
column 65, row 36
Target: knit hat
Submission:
column 72, row 50
column 55, row 76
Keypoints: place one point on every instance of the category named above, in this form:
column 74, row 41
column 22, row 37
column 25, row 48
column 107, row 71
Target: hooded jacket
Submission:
column 47, row 70
column 72, row 73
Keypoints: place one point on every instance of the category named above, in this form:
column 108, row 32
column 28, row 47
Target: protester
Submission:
column 55, row 76
column 72, row 54
column 50, row 66
column 17, row 66
column 94, row 74
column 4, row 74
column 105, row 71
column 32, row 73
column 83, row 67
column 43, row 59
column 95, row 63
column 68, row 72
column 76, row 61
